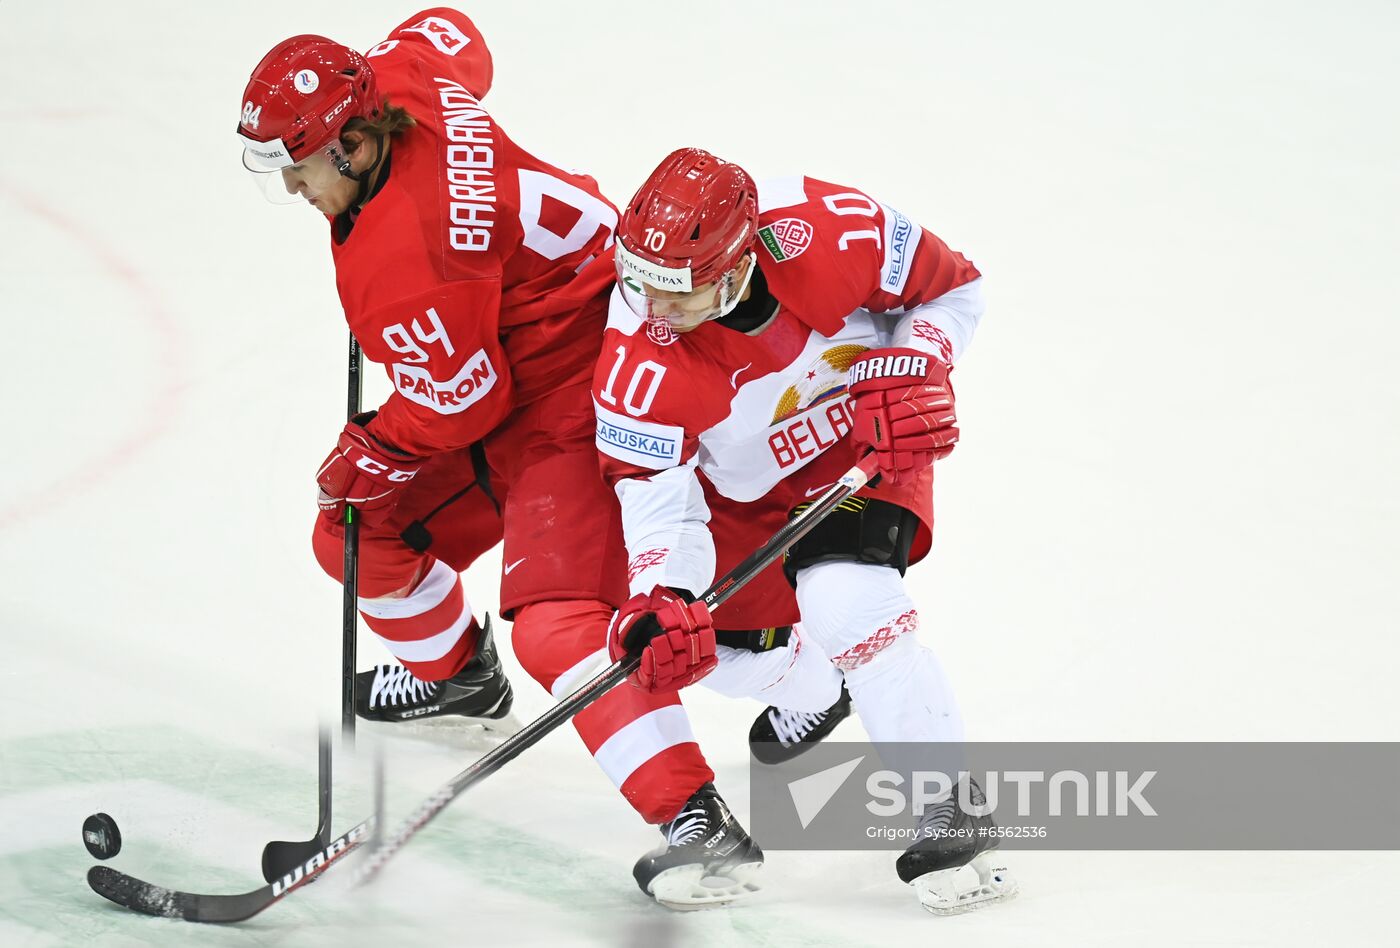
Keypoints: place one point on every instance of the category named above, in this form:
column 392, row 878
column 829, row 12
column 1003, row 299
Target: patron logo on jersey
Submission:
column 473, row 381
column 787, row 238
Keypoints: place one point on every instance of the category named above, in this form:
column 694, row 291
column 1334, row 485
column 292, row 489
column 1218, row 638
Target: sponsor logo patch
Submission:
column 473, row 381
column 671, row 279
column 643, row 443
column 787, row 238
column 901, row 240
column 890, row 366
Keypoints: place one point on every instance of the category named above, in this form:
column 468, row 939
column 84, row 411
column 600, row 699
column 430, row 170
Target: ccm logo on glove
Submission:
column 362, row 471
column 370, row 466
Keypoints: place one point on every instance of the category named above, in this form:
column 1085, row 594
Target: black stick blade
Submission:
column 130, row 892
column 281, row 856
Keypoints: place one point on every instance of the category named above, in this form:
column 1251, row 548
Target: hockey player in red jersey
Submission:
column 478, row 275
column 761, row 338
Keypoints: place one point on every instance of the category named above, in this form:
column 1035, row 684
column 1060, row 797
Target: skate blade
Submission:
column 454, row 730
column 687, row 888
column 946, row 892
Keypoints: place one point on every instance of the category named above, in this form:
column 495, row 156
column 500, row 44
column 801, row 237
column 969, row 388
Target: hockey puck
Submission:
column 101, row 836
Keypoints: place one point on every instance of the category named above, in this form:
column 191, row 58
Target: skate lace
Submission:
column 793, row 726
column 395, row 685
column 687, row 827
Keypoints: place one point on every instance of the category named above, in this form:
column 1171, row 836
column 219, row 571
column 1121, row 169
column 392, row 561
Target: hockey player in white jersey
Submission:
column 760, row 340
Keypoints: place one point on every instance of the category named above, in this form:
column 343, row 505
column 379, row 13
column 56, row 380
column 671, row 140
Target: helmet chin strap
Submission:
column 363, row 177
column 728, row 307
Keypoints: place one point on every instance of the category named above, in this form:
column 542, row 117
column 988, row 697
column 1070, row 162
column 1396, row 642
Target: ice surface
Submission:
column 1172, row 516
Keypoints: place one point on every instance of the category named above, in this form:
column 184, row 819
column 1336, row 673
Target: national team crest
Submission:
column 823, row 380
column 660, row 332
column 786, row 238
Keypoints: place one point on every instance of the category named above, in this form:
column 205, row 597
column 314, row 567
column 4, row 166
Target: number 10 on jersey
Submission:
column 641, row 390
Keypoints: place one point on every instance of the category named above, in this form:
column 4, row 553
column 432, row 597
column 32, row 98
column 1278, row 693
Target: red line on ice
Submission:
column 156, row 417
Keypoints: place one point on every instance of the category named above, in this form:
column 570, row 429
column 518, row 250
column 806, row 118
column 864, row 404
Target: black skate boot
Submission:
column 949, row 840
column 479, row 690
column 779, row 735
column 708, row 859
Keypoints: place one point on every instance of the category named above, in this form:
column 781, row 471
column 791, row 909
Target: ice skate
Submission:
column 479, row 692
column 779, row 735
column 708, row 859
column 940, row 865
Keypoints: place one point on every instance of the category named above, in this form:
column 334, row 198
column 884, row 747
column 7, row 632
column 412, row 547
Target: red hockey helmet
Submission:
column 683, row 238
column 297, row 102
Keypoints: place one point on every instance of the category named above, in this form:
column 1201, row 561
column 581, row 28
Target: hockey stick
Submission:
column 349, row 603
column 150, row 899
column 723, row 588
column 280, row 857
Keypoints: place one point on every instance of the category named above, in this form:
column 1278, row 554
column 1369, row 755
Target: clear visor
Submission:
column 683, row 311
column 307, row 180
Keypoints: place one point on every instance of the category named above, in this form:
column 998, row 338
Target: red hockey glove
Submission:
column 903, row 409
column 362, row 471
column 676, row 640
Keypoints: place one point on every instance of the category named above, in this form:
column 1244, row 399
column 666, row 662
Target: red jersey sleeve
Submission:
column 452, row 382
column 828, row 250
column 445, row 39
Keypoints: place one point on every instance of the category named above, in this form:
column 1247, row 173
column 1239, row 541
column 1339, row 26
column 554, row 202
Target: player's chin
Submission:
column 685, row 326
